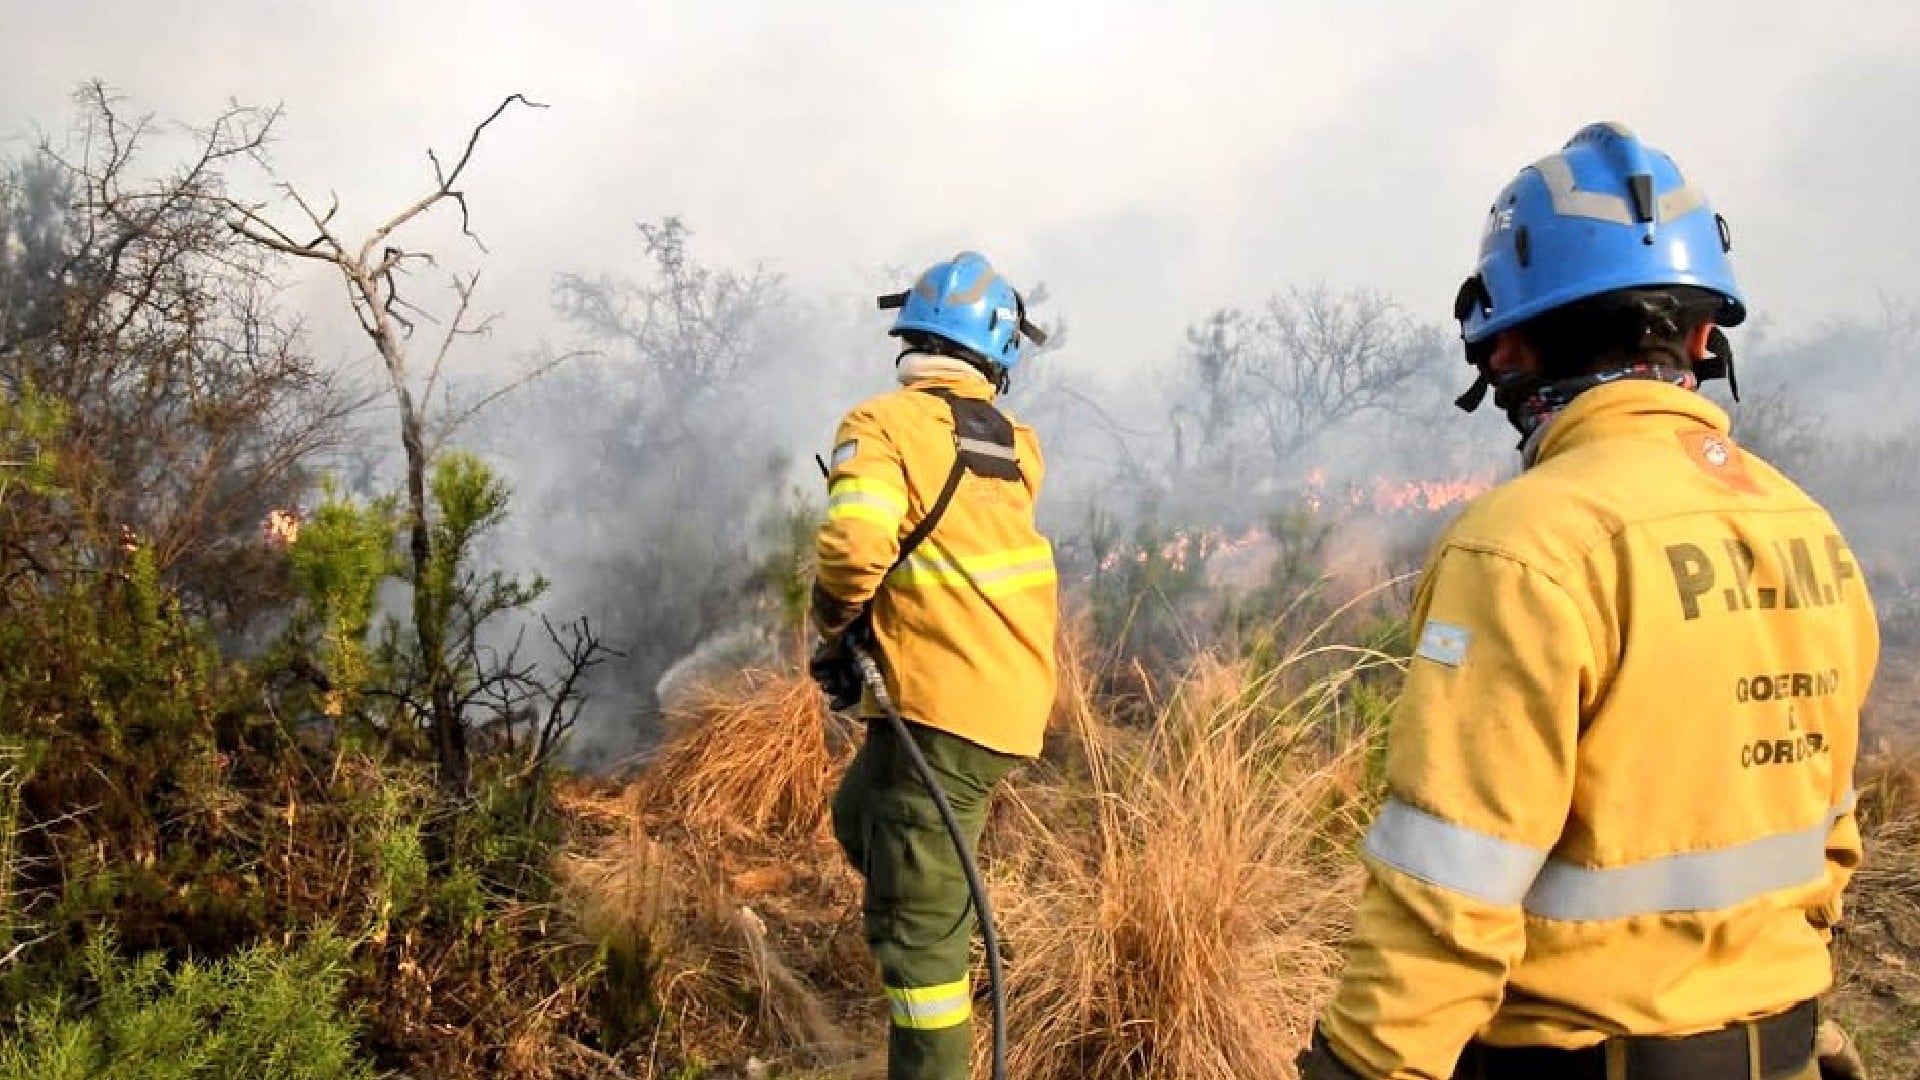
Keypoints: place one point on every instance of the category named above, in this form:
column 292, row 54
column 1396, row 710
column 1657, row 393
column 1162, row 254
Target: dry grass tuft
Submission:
column 1181, row 921
column 688, row 968
column 713, row 900
column 1889, row 786
column 748, row 758
column 1878, row 995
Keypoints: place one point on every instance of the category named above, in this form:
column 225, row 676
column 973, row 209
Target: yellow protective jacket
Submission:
column 1620, row 775
column 966, row 626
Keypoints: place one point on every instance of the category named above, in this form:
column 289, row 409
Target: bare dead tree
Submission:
column 372, row 270
column 688, row 332
column 1323, row 359
column 1207, row 418
column 677, row 444
column 1252, row 393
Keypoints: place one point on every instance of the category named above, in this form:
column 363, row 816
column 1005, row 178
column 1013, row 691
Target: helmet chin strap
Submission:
column 1475, row 394
column 1718, row 363
column 1511, row 393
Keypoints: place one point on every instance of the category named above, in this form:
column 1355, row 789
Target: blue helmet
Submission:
column 1607, row 212
column 967, row 302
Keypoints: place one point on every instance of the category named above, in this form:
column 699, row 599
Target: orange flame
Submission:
column 282, row 528
column 1427, row 495
column 1385, row 495
column 1186, row 546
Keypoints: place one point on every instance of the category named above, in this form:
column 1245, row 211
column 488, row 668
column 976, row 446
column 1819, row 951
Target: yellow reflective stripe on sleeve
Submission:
column 995, row 574
column 842, row 511
column 867, row 500
column 931, row 1008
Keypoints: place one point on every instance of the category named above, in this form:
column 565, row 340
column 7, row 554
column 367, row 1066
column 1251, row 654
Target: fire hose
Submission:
column 877, row 685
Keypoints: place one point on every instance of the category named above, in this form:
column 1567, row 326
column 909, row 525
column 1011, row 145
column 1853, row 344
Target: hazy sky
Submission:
column 1148, row 160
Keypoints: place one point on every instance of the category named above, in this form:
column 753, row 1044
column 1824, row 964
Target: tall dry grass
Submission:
column 1878, row 950
column 1175, row 914
column 1171, row 897
column 716, row 902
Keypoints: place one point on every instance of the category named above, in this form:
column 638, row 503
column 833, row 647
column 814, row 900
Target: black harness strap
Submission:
column 983, row 445
column 925, row 526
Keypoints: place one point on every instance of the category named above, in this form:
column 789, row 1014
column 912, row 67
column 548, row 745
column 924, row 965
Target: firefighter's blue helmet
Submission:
column 1606, row 212
column 965, row 301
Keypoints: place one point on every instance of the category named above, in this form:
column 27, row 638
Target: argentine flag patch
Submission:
column 1444, row 643
column 845, row 452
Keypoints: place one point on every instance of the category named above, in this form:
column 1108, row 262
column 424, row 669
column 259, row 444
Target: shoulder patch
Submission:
column 1444, row 643
column 1719, row 458
column 845, row 452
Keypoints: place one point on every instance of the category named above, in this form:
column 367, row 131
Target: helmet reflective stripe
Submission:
column 971, row 295
column 1607, row 212
column 1570, row 201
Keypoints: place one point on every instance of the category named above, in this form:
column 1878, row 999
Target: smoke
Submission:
column 1154, row 168
column 658, row 477
column 1837, row 408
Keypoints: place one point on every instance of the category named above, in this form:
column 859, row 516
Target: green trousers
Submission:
column 919, row 915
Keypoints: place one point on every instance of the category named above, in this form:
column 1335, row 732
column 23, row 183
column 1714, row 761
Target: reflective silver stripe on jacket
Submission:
column 986, row 449
column 1451, row 856
column 1498, row 871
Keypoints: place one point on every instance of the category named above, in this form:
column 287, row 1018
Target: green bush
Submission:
column 266, row 1013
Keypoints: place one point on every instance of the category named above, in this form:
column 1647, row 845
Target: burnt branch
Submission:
column 392, row 307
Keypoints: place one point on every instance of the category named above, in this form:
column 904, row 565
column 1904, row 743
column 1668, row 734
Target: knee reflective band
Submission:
column 931, row 1008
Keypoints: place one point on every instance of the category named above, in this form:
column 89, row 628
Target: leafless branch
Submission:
column 448, row 427
column 445, row 181
column 371, row 274
column 464, row 289
column 257, row 227
column 392, row 306
column 581, row 650
column 394, row 258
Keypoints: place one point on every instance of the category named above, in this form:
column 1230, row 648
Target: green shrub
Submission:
column 266, row 1013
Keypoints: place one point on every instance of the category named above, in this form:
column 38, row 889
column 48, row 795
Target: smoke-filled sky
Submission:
column 1147, row 160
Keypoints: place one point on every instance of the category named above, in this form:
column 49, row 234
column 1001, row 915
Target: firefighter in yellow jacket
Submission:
column 930, row 556
column 1620, row 813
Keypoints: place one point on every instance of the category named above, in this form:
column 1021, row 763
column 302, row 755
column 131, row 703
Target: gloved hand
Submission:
column 833, row 668
column 1317, row 1062
column 1838, row 1058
